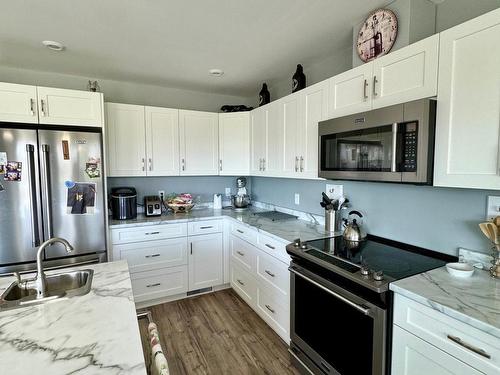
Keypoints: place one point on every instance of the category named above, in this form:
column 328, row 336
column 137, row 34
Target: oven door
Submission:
column 339, row 332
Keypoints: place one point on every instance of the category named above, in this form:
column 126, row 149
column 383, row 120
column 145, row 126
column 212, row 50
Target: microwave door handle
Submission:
column 35, row 230
column 362, row 309
column 48, row 192
column 394, row 146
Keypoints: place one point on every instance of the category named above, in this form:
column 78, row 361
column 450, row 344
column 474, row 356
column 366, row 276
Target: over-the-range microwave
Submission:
column 392, row 144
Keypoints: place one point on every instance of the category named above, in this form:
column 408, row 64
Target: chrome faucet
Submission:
column 40, row 281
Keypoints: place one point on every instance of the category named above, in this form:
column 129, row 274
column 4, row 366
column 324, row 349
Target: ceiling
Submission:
column 175, row 43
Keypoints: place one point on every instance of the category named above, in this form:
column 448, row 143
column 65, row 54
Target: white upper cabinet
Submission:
column 199, row 138
column 468, row 111
column 126, row 139
column 258, row 141
column 350, row 92
column 406, row 74
column 162, row 141
column 290, row 123
column 234, row 144
column 273, row 161
column 18, row 103
column 69, row 107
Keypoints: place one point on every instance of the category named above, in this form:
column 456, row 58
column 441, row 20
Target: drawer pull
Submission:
column 269, row 246
column 153, row 285
column 459, row 341
column 152, row 256
column 270, row 309
column 151, row 233
column 270, row 273
column 240, row 253
column 239, row 231
column 240, row 282
column 206, row 227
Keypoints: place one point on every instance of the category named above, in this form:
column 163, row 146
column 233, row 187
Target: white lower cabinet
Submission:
column 205, row 261
column 154, row 284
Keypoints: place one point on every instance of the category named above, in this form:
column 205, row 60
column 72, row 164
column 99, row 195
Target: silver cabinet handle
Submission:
column 240, row 253
column 296, row 164
column 183, row 161
column 42, row 107
column 459, row 341
column 32, row 106
column 35, row 230
column 365, row 88
column 269, row 246
column 143, row 164
column 270, row 309
column 191, row 246
column 153, row 285
column 220, row 164
column 206, row 227
column 151, row 233
column 47, row 187
column 394, row 145
column 150, row 164
column 302, row 164
column 260, row 164
column 364, row 310
column 239, row 231
column 240, row 282
column 152, row 256
column 375, row 81
column 270, row 273
column 264, row 164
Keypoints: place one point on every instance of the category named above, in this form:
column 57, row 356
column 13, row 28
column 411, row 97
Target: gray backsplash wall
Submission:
column 204, row 186
column 440, row 219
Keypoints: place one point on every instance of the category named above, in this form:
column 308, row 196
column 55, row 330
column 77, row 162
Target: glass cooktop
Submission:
column 395, row 259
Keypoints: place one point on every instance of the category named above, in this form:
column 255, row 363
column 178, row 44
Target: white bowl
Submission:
column 460, row 269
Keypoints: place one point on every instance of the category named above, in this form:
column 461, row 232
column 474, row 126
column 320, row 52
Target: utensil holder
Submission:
column 495, row 263
column 331, row 221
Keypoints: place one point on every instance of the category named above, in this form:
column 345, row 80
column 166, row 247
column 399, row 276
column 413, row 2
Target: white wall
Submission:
column 125, row 92
column 453, row 12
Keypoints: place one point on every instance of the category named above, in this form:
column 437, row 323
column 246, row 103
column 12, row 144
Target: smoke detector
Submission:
column 216, row 72
column 54, row 46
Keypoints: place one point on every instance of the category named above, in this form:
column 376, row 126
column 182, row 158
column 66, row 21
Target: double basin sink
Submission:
column 60, row 285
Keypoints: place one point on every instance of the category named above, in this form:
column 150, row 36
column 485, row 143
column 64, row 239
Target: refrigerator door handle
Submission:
column 35, row 230
column 48, row 192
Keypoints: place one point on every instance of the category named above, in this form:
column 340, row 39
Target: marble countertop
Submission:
column 97, row 333
column 474, row 301
column 285, row 230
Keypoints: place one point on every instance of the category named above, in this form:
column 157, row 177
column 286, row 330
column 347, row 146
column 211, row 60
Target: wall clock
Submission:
column 377, row 34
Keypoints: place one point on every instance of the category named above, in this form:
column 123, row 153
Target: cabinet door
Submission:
column 69, row 107
column 162, row 141
column 205, row 261
column 414, row 356
column 126, row 139
column 199, row 138
column 18, row 103
column 289, row 123
column 273, row 159
column 406, row 74
column 350, row 92
column 468, row 111
column 234, row 144
column 313, row 109
column 258, row 141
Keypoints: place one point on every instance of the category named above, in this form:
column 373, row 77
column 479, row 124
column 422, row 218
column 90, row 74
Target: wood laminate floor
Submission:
column 217, row 333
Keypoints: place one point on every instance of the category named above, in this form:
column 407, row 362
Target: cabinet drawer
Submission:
column 243, row 253
column 204, row 227
column 274, row 274
column 443, row 332
column 274, row 313
column 149, row 255
column 244, row 232
column 159, row 283
column 148, row 233
column 244, row 284
column 273, row 247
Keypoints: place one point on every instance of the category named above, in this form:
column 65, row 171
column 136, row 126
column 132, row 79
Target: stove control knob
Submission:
column 296, row 243
column 378, row 276
column 365, row 271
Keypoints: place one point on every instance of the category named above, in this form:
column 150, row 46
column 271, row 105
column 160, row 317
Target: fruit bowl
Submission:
column 180, row 207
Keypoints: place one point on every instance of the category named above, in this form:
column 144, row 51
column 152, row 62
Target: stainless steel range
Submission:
column 341, row 306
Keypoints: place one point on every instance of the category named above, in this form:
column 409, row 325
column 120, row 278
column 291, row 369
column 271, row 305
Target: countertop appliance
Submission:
column 217, row 201
column 241, row 200
column 152, row 205
column 52, row 187
column 342, row 291
column 123, row 203
column 392, row 144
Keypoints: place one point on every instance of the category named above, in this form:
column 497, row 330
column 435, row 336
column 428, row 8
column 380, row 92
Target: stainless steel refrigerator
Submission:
column 51, row 185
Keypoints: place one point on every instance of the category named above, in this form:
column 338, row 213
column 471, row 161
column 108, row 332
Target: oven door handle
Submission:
column 394, row 146
column 360, row 308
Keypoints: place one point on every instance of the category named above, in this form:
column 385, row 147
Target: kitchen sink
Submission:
column 67, row 284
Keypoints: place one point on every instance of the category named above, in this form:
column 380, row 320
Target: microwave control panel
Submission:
column 410, row 142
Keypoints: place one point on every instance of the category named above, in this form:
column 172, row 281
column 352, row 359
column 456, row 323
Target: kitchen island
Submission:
column 96, row 333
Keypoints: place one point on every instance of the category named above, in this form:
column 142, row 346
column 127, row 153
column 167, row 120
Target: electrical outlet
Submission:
column 493, row 207
column 161, row 194
column 297, row 198
column 334, row 191
column 228, row 191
